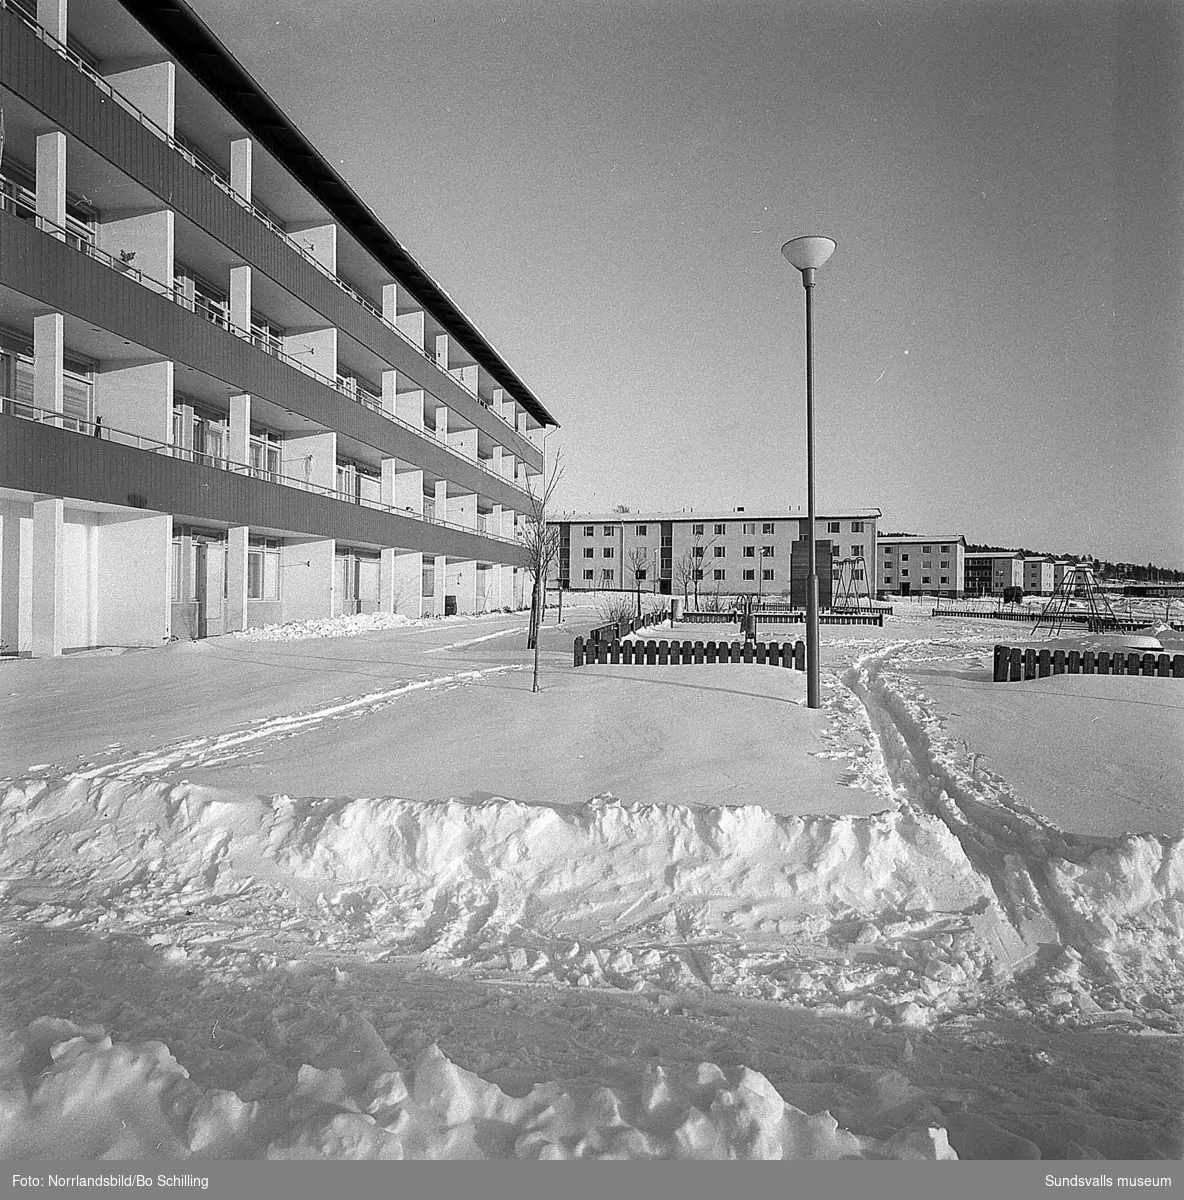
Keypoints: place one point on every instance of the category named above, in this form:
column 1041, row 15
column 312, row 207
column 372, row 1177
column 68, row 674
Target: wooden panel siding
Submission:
column 58, row 462
column 67, row 281
column 79, row 108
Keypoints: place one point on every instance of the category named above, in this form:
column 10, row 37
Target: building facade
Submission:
column 1039, row 576
column 989, row 572
column 909, row 565
column 732, row 552
column 228, row 395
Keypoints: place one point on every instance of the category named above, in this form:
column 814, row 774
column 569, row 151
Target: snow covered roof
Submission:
column 915, row 537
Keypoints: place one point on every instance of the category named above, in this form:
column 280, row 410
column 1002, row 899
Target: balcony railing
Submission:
column 264, row 342
column 222, row 183
column 45, row 416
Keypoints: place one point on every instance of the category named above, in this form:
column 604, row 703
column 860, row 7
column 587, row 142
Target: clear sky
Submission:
column 604, row 186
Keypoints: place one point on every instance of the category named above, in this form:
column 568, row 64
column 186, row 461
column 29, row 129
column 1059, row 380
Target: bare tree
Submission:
column 636, row 562
column 541, row 542
column 688, row 570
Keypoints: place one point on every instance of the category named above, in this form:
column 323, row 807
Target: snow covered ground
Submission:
column 368, row 896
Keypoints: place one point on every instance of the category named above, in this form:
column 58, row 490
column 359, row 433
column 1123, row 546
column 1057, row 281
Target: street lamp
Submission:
column 808, row 254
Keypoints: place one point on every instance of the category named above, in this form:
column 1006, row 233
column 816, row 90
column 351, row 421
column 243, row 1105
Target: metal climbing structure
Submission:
column 1077, row 594
column 851, row 591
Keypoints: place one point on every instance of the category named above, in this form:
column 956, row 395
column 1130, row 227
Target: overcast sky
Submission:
column 604, row 186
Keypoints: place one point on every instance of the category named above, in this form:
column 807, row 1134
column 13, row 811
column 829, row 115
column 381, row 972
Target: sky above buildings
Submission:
column 604, row 186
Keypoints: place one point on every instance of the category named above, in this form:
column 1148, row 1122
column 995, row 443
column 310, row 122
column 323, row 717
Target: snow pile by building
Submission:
column 91, row 1098
column 349, row 626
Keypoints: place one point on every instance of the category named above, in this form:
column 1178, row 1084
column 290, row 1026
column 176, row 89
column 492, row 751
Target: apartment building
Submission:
column 911, row 565
column 731, row 552
column 1039, row 575
column 989, row 572
column 228, row 395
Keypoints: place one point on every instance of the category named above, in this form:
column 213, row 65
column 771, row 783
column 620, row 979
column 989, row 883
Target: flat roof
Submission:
column 917, row 537
column 187, row 38
column 993, row 554
column 643, row 518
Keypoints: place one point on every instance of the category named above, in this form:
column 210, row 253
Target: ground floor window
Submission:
column 767, row 574
column 589, row 574
column 750, row 575
column 263, row 569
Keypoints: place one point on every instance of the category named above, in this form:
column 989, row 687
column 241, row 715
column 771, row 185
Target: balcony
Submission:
column 343, row 386
column 209, row 457
column 199, row 163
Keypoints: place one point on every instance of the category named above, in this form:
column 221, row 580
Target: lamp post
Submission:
column 807, row 254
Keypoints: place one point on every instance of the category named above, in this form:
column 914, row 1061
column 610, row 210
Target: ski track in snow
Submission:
column 957, row 902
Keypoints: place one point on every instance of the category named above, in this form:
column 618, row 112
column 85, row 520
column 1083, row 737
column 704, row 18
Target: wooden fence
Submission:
column 824, row 618
column 1016, row 663
column 1104, row 625
column 685, row 652
column 618, row 629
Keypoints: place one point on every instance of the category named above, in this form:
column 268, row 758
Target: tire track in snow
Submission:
column 1012, row 847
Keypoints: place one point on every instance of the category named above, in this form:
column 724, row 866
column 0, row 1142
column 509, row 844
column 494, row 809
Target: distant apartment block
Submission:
column 912, row 565
column 1039, row 576
column 228, row 395
column 989, row 572
column 731, row 552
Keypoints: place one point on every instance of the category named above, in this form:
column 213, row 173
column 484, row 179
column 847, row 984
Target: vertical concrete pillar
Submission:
column 406, row 489
column 441, row 351
column 464, row 440
column 51, row 16
column 390, row 393
column 401, row 582
column 462, row 581
column 442, row 423
column 50, row 182
column 239, row 450
column 10, row 580
column 237, row 540
column 409, row 407
column 312, row 458
column 240, row 299
column 468, row 376
column 241, row 172
column 49, row 344
column 441, row 582
column 462, row 510
column 413, row 327
column 141, row 240
column 315, row 349
column 442, row 500
column 49, row 578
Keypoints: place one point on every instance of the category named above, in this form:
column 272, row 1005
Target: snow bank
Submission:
column 92, row 1098
column 890, row 917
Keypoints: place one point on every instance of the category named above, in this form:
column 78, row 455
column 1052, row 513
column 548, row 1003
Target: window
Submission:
column 589, row 573
column 589, row 552
column 750, row 574
column 904, row 571
column 945, row 549
column 945, row 562
column 263, row 569
column 697, row 530
column 832, row 527
column 766, row 552
column 856, row 527
column 889, row 549
column 640, row 575
column 945, row 579
column 904, row 558
column 175, row 571
column 926, row 549
column 718, row 551
column 641, row 531
column 749, row 552
column 719, row 530
column 857, row 551
column 589, row 531
column 608, row 551
column 767, row 573
column 767, row 527
column 856, row 572
column 698, row 575
column 718, row 574
column 748, row 527
column 887, row 578
column 924, row 578
column 607, row 575
column 265, row 456
column 608, row 531
column 698, row 551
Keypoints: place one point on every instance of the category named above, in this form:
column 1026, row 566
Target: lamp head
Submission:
column 808, row 254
